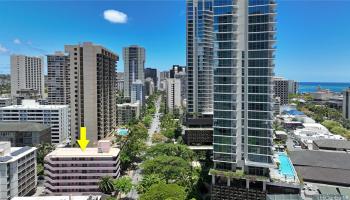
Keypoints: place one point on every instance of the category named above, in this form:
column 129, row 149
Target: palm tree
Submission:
column 106, row 185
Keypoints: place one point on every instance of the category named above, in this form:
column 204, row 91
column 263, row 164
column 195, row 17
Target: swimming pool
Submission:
column 122, row 131
column 286, row 168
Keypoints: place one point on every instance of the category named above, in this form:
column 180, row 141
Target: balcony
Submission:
column 47, row 172
column 79, row 168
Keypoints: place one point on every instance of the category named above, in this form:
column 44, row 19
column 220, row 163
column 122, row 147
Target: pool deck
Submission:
column 277, row 176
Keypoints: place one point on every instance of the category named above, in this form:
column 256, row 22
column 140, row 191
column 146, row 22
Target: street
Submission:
column 155, row 125
column 136, row 174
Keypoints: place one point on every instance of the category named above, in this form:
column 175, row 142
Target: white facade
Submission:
column 292, row 87
column 17, row 171
column 5, row 102
column 137, row 92
column 120, row 82
column 149, row 86
column 57, row 116
column 73, row 171
column 173, row 93
column 27, row 73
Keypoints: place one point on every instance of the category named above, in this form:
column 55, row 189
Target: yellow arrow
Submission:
column 83, row 142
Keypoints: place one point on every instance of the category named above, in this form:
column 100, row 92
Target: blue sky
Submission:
column 313, row 36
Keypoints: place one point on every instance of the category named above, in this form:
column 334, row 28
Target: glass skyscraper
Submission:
column 244, row 37
column 200, row 56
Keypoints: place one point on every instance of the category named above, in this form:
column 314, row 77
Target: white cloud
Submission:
column 3, row 49
column 115, row 16
column 17, row 41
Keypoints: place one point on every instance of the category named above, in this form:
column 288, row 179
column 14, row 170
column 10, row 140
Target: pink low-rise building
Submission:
column 73, row 171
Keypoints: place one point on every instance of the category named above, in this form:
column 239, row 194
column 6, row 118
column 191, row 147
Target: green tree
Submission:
column 330, row 124
column 168, row 132
column 131, row 151
column 134, row 145
column 167, row 166
column 106, row 185
column 147, row 120
column 138, row 131
column 157, row 138
column 42, row 151
column 170, row 149
column 164, row 192
column 111, row 198
column 147, row 181
column 123, row 184
column 40, row 169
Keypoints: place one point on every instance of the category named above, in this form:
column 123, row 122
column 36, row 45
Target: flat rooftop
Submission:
column 16, row 153
column 333, row 144
column 22, row 127
column 32, row 104
column 322, row 166
column 77, row 152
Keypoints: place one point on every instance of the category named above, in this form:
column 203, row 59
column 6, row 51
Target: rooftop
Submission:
column 323, row 166
column 32, row 104
column 128, row 104
column 10, row 154
column 334, row 144
column 77, row 152
column 22, row 126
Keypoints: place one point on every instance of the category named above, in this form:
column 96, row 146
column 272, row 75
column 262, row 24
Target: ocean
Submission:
column 305, row 87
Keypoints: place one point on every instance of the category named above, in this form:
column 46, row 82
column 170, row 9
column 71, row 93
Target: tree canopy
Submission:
column 106, row 185
column 170, row 149
column 147, row 181
column 123, row 184
column 164, row 191
column 170, row 167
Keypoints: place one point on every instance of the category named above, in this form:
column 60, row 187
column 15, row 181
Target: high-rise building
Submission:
column 18, row 171
column 200, row 56
column 56, row 116
column 120, row 82
column 137, row 92
column 173, row 93
column 58, row 79
column 92, row 93
column 127, row 112
column 244, row 51
column 282, row 88
column 164, row 75
column 346, row 104
column 73, row 171
column 27, row 73
column 292, row 87
column 176, row 69
column 153, row 74
column 182, row 76
column 134, row 65
column 244, row 33
column 149, row 86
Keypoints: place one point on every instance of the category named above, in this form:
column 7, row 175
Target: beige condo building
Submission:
column 92, row 90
